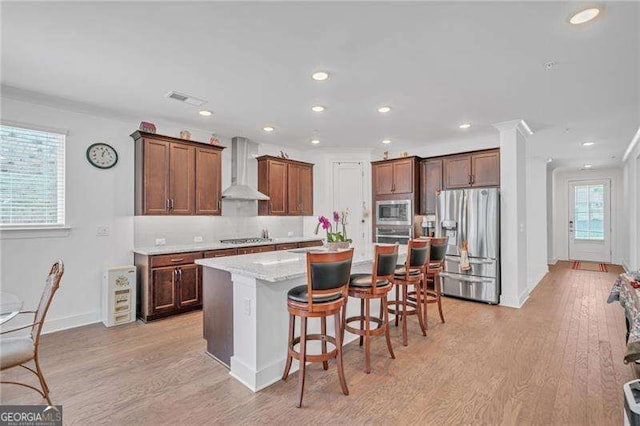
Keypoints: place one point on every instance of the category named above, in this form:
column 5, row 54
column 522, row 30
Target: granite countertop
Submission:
column 185, row 248
column 283, row 265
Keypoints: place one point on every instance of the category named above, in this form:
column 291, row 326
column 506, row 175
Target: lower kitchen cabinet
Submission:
column 256, row 249
column 168, row 284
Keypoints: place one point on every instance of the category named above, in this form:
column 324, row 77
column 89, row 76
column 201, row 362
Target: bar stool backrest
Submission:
column 385, row 261
column 418, row 254
column 328, row 273
column 438, row 249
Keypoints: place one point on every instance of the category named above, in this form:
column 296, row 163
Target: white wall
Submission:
column 102, row 198
column 560, row 210
column 631, row 206
column 537, row 265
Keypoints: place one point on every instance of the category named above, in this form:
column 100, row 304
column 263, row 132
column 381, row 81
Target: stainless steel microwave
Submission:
column 394, row 212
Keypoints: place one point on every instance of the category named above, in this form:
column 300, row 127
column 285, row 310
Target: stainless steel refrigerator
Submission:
column 471, row 215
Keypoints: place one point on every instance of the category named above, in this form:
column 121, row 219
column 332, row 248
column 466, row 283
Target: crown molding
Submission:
column 631, row 146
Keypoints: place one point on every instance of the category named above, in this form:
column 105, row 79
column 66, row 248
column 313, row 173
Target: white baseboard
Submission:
column 626, row 266
column 515, row 302
column 553, row 261
column 58, row 324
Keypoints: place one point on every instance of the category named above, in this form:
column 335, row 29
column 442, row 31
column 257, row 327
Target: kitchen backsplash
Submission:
column 177, row 230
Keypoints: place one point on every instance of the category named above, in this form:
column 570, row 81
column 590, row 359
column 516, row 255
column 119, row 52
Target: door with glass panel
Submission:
column 589, row 220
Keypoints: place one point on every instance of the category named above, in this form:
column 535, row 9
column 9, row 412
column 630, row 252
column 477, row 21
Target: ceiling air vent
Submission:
column 191, row 100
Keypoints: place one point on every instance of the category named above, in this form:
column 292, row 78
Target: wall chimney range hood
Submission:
column 241, row 150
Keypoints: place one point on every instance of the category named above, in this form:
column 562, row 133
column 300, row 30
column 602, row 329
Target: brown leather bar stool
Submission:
column 373, row 286
column 431, row 290
column 410, row 274
column 325, row 294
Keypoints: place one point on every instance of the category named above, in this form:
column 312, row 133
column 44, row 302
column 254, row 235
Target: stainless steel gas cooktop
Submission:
column 246, row 240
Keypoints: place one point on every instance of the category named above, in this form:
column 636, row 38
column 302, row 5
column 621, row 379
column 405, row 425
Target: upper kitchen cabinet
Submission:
column 289, row 185
column 391, row 177
column 430, row 184
column 476, row 169
column 176, row 177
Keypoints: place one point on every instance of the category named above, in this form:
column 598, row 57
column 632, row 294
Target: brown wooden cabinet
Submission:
column 288, row 183
column 208, row 182
column 430, row 184
column 176, row 177
column 256, row 249
column 391, row 177
column 189, row 286
column 168, row 284
column 476, row 169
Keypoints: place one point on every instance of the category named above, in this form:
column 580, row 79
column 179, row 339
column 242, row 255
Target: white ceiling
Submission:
column 437, row 64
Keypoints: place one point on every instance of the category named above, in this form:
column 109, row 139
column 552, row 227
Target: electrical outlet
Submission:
column 160, row 241
column 198, row 239
column 102, row 231
column 247, row 307
column 290, row 234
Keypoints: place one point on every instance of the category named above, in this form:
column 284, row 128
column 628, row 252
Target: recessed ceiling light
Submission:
column 465, row 126
column 317, row 108
column 268, row 129
column 205, row 113
column 386, row 141
column 315, row 141
column 549, row 160
column 588, row 143
column 320, row 75
column 588, row 166
column 584, row 16
column 384, row 109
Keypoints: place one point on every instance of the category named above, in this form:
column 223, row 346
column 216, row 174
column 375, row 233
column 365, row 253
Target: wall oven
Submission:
column 393, row 235
column 394, row 212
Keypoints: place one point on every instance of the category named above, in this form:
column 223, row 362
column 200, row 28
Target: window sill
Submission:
column 36, row 232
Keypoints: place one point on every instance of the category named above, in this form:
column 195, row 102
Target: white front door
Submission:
column 348, row 193
column 589, row 220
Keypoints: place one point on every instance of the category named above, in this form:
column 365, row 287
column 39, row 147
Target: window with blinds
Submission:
column 32, row 188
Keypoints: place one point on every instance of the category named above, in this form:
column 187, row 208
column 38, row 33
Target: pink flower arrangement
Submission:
column 340, row 219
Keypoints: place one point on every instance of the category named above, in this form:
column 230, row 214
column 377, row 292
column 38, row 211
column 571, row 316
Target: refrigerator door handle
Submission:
column 466, row 278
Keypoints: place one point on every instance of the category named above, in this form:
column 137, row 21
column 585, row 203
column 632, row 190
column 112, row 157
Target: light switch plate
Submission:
column 198, row 239
column 160, row 241
column 290, row 233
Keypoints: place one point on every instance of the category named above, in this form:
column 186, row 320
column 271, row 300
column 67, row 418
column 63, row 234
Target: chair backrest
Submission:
column 438, row 249
column 418, row 254
column 384, row 262
column 328, row 273
column 51, row 286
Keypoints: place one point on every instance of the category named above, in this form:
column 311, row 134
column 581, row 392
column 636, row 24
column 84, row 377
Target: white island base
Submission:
column 261, row 324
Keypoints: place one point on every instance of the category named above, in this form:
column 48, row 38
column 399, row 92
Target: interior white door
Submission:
column 348, row 193
column 590, row 220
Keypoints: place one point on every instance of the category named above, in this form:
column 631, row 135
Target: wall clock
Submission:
column 102, row 155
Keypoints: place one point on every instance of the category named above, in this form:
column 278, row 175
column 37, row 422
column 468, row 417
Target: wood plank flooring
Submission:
column 558, row 360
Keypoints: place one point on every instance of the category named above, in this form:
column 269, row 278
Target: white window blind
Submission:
column 32, row 187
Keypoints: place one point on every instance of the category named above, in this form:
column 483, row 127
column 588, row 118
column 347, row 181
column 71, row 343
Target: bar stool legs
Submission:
column 409, row 306
column 303, row 357
column 343, row 380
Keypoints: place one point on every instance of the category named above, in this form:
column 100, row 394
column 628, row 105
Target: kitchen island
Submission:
column 245, row 310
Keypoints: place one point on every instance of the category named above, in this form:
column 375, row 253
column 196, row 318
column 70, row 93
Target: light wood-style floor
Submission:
column 558, row 360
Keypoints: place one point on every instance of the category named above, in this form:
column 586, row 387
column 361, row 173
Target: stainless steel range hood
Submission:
column 242, row 149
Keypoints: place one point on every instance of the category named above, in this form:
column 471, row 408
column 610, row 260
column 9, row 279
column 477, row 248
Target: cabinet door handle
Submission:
column 171, row 199
column 178, row 260
column 473, row 179
column 470, row 179
column 180, row 274
column 167, row 204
